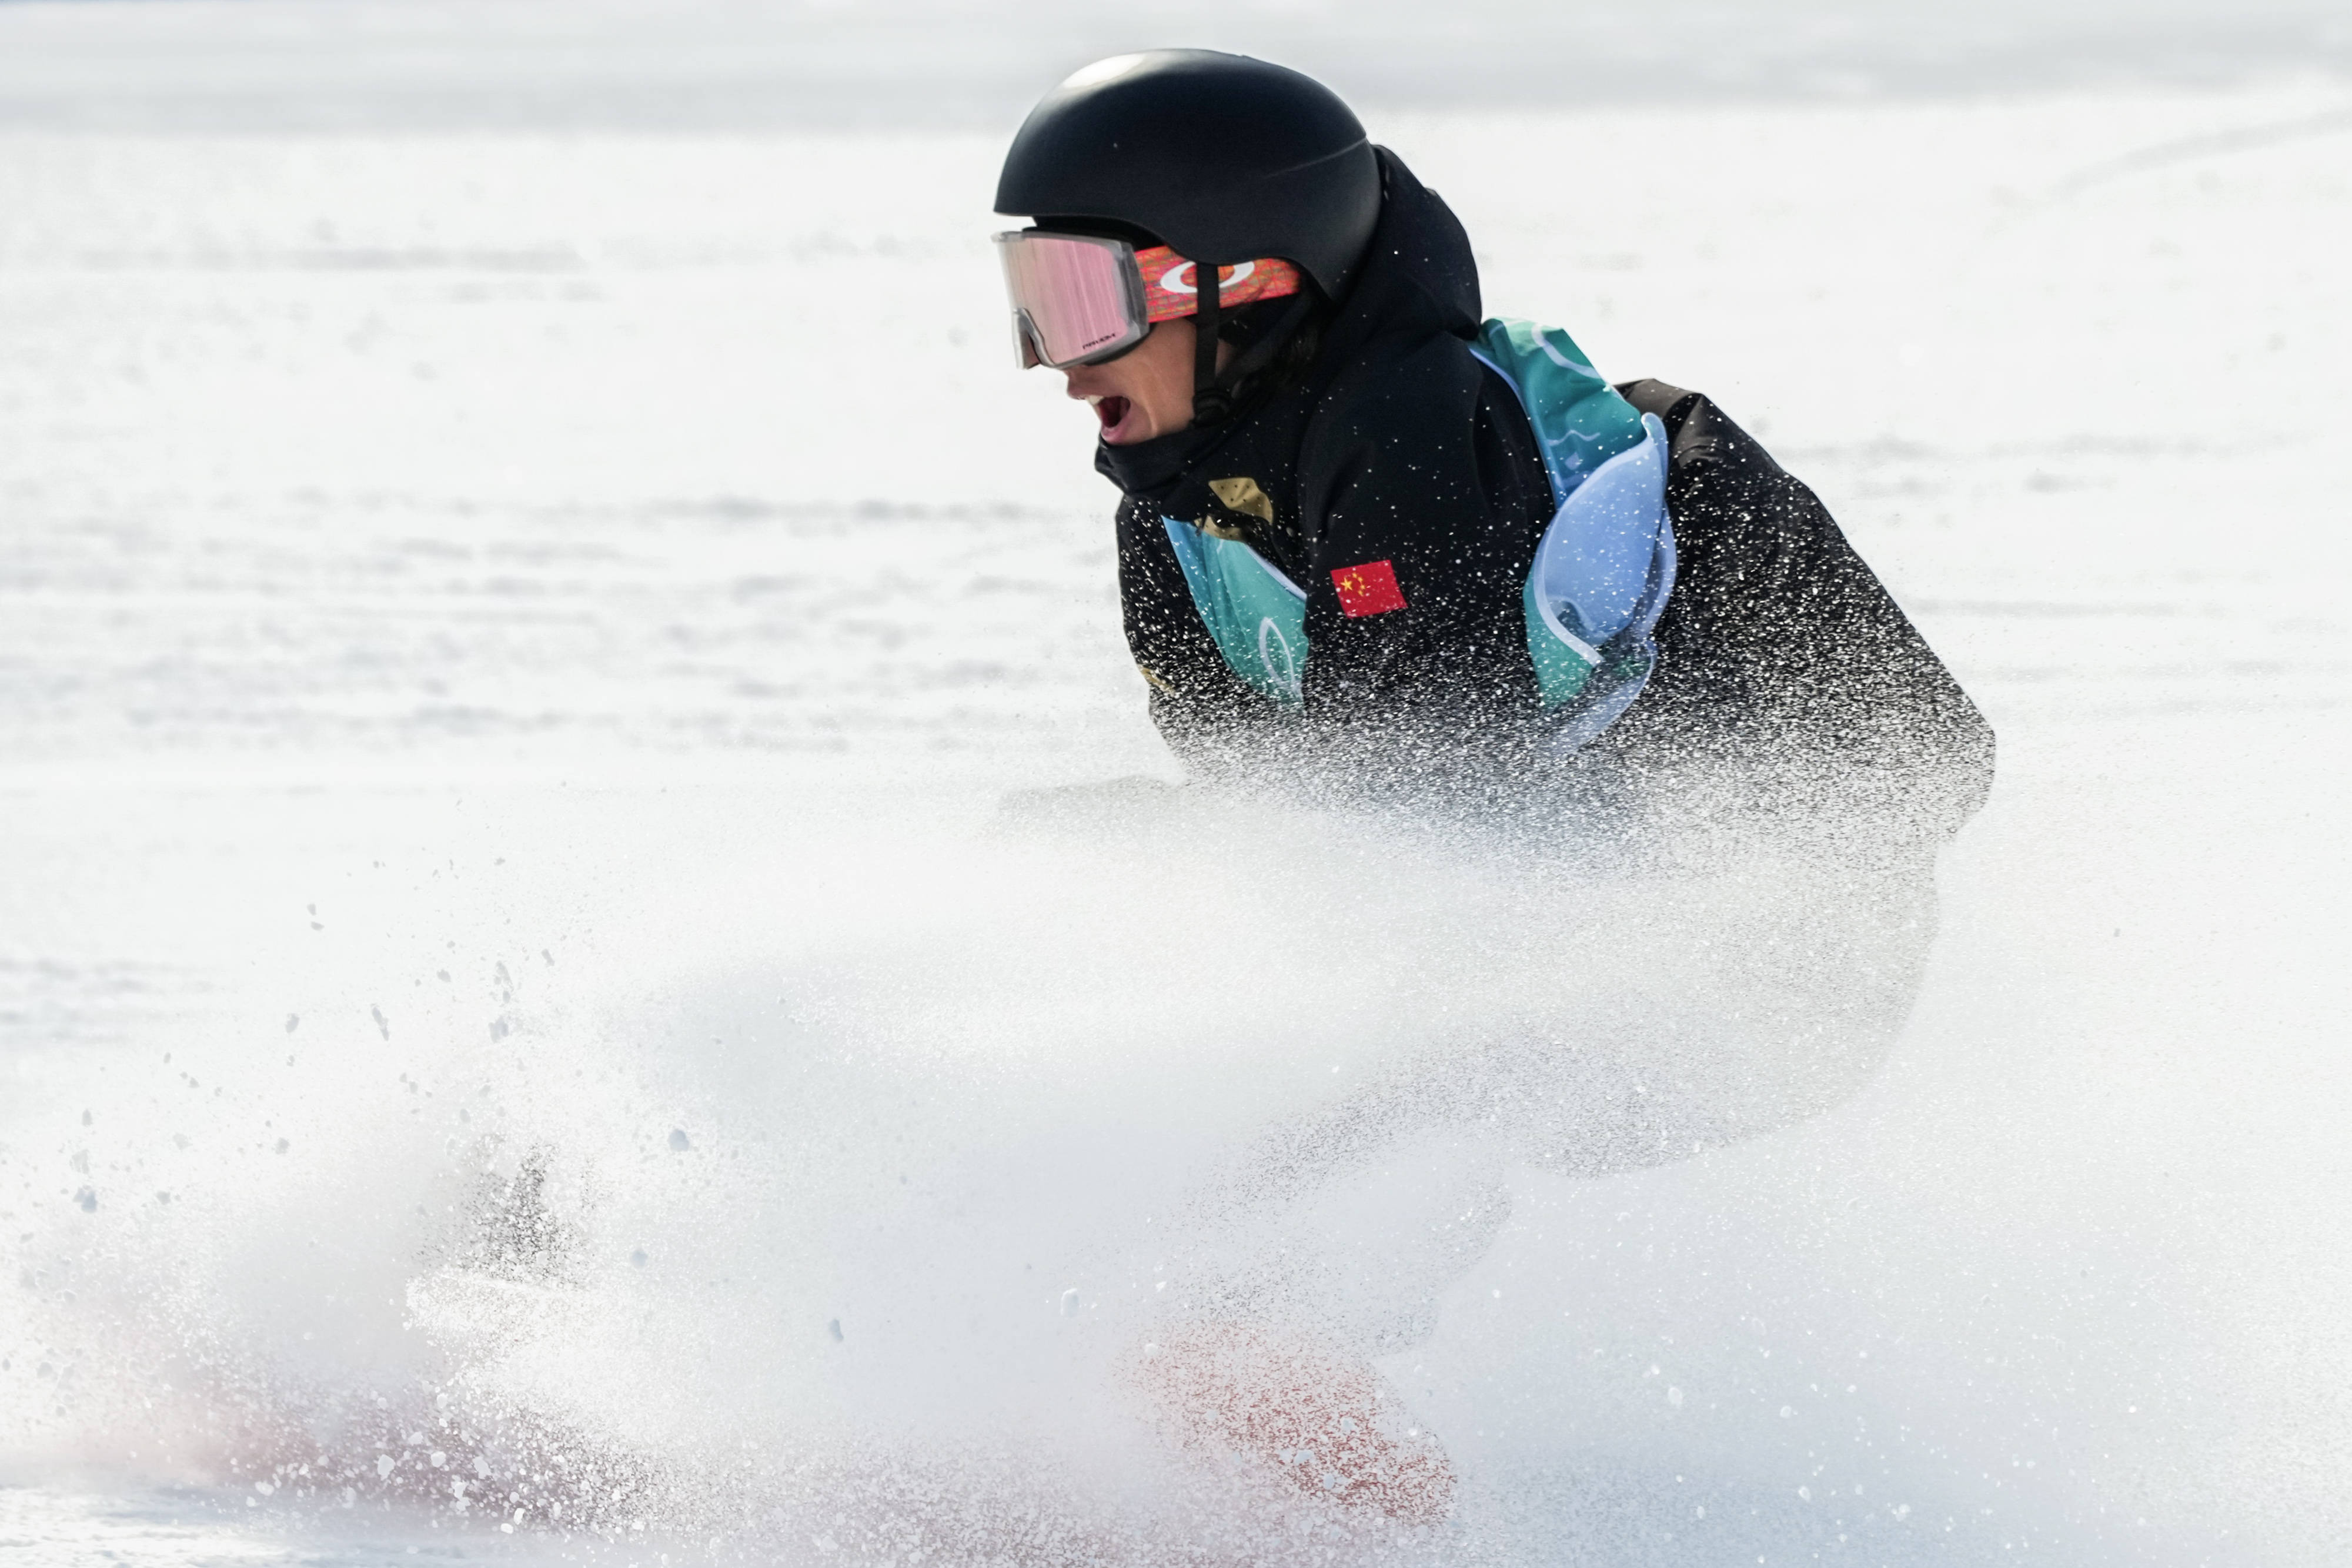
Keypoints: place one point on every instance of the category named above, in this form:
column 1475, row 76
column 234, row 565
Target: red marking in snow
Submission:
column 1368, row 590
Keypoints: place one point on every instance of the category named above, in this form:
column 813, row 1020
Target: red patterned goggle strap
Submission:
column 1168, row 291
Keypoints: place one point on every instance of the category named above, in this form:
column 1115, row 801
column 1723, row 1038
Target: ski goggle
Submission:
column 1080, row 299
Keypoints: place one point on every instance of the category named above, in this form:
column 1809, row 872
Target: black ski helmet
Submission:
column 1225, row 158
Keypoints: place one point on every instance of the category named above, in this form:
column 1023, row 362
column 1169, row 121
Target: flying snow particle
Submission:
column 677, row 1140
column 384, row 1463
column 1070, row 1303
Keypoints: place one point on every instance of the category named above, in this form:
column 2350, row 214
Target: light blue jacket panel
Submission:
column 1605, row 565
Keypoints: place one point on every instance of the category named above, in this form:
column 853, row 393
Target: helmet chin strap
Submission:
column 1212, row 390
column 1212, row 404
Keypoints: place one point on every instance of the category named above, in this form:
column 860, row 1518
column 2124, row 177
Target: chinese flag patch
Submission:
column 1368, row 590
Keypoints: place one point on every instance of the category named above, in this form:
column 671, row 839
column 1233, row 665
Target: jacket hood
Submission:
column 1417, row 276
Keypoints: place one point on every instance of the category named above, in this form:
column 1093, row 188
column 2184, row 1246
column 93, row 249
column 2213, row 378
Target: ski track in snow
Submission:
column 429, row 549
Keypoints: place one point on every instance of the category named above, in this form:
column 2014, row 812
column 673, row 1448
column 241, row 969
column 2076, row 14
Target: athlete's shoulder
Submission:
column 1699, row 432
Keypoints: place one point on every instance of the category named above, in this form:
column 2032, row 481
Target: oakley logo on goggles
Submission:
column 1079, row 299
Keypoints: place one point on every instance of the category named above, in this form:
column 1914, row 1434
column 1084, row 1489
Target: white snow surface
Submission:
column 511, row 639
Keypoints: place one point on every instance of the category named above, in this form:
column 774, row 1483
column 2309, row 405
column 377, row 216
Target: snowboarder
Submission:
column 1365, row 524
column 1370, row 536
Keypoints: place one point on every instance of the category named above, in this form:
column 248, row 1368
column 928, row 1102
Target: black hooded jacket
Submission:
column 1778, row 647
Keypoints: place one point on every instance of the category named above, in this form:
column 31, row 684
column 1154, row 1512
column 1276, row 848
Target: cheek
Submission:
column 1171, row 385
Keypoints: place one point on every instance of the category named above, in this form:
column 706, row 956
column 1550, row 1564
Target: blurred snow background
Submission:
column 733, row 64
column 487, row 482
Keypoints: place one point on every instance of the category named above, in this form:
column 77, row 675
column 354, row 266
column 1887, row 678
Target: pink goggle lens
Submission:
column 1074, row 297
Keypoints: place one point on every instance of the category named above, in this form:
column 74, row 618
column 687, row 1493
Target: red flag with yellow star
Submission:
column 1368, row 590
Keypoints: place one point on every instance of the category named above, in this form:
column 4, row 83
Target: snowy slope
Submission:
column 465, row 582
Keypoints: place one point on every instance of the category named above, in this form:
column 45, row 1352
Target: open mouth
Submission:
column 1112, row 411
